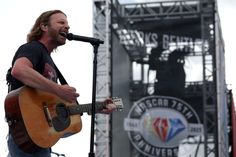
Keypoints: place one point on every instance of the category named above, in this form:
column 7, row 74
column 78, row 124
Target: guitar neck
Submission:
column 78, row 109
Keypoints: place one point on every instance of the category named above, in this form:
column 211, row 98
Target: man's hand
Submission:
column 67, row 93
column 109, row 107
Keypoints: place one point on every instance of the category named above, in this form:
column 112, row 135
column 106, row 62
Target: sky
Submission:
column 75, row 58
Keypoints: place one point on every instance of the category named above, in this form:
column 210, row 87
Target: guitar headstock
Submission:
column 118, row 103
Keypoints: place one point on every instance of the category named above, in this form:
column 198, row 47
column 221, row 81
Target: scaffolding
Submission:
column 111, row 15
column 101, row 30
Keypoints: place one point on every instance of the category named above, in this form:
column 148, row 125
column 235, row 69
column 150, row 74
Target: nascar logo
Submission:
column 157, row 124
column 167, row 129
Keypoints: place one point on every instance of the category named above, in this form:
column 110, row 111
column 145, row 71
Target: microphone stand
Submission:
column 95, row 46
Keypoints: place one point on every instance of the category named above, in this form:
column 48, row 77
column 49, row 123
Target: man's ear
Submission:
column 43, row 27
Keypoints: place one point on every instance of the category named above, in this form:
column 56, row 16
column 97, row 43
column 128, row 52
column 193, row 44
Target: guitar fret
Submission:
column 78, row 109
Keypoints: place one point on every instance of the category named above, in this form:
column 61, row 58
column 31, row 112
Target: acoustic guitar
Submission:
column 38, row 119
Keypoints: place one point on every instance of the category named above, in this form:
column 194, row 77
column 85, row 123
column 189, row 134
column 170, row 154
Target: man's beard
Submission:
column 56, row 37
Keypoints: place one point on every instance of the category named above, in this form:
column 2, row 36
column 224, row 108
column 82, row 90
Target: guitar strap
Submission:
column 60, row 76
column 9, row 79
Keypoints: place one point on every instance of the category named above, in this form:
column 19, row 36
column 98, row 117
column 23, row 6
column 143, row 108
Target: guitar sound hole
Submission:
column 62, row 121
column 62, row 111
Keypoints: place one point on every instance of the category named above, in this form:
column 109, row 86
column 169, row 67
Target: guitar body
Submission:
column 30, row 112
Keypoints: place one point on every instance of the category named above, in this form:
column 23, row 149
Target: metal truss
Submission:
column 209, row 78
column 160, row 10
column 102, row 31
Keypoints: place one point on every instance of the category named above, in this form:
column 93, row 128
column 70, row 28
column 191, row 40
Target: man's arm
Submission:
column 24, row 72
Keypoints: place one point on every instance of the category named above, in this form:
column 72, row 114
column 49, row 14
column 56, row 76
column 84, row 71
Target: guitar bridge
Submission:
column 47, row 114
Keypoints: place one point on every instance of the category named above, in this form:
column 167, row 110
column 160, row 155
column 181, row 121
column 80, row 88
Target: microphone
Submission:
column 93, row 41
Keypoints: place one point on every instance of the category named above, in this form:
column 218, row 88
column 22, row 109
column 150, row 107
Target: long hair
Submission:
column 44, row 18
